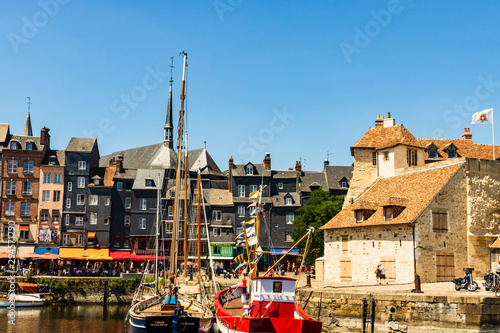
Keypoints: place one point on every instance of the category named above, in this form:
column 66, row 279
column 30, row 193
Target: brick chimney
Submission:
column 298, row 169
column 298, row 166
column 389, row 122
column 267, row 161
column 467, row 134
column 379, row 122
column 230, row 175
column 45, row 136
column 119, row 163
column 327, row 162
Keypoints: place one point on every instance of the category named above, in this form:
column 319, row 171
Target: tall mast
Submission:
column 157, row 232
column 174, row 245
column 199, row 227
column 185, row 208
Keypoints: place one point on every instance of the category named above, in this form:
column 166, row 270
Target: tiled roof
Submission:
column 465, row 148
column 386, row 137
column 414, row 191
column 81, row 144
column 4, row 133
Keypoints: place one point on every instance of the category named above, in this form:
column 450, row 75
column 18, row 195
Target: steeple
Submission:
column 168, row 140
column 27, row 128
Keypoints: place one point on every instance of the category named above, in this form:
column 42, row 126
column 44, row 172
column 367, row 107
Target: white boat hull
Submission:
column 23, row 300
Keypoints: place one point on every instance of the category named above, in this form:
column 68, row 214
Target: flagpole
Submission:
column 493, row 132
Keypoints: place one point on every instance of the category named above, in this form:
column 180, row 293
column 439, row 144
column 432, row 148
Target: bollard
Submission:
column 417, row 285
column 308, row 284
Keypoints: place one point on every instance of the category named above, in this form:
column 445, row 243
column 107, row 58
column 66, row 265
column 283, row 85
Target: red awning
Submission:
column 120, row 255
column 24, row 227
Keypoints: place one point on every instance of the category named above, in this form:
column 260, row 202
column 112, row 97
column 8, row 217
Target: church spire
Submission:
column 169, row 127
column 28, row 131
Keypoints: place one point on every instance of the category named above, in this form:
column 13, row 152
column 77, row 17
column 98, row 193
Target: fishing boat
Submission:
column 29, row 298
column 171, row 311
column 268, row 304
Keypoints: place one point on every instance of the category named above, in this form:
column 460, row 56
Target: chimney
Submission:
column 327, row 162
column 267, row 161
column 298, row 166
column 389, row 122
column 467, row 135
column 45, row 136
column 119, row 163
column 379, row 122
column 230, row 175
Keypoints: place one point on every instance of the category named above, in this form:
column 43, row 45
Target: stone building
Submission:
column 409, row 207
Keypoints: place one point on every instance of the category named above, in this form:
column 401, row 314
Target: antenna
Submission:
column 29, row 103
column 171, row 68
column 205, row 143
column 328, row 155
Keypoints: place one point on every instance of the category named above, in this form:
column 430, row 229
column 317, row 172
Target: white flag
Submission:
column 483, row 117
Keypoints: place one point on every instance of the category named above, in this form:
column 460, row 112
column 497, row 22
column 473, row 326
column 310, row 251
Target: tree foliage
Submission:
column 318, row 210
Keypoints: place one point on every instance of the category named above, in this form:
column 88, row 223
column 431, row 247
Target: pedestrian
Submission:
column 377, row 273
column 381, row 269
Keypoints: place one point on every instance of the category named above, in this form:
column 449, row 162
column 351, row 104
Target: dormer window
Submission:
column 391, row 212
column 361, row 215
column 343, row 184
column 97, row 182
column 52, row 160
column 149, row 183
column 249, row 170
column 15, row 145
column 280, row 185
column 288, row 201
column 432, row 152
column 452, row 152
column 30, row 146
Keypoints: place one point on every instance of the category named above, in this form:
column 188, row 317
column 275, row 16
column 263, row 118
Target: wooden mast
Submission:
column 175, row 228
column 199, row 227
column 185, row 210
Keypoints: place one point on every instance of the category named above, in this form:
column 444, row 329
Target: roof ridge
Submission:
column 425, row 170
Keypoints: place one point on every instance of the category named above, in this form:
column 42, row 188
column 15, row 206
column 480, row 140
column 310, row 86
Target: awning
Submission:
column 22, row 250
column 215, row 257
column 283, row 251
column 44, row 211
column 91, row 235
column 80, row 253
column 43, row 250
column 55, row 212
column 120, row 255
column 24, row 227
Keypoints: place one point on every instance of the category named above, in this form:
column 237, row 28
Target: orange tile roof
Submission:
column 414, row 191
column 385, row 137
column 496, row 244
column 465, row 148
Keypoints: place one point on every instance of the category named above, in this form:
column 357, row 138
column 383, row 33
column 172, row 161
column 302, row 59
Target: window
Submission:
column 80, row 199
column 128, row 202
column 288, row 201
column 93, row 218
column 277, row 287
column 46, row 196
column 126, row 220
column 142, row 223
column 142, row 204
column 68, row 203
column 249, row 170
column 343, row 184
column 46, row 178
column 106, row 220
column 82, row 165
column 439, row 220
column 9, row 208
column 411, row 157
column 288, row 237
column 79, row 220
column 170, row 211
column 168, row 227
column 216, row 232
column 97, row 182
column 93, row 199
column 203, row 230
column 79, row 239
column 253, row 188
column 345, row 247
column 239, row 231
column 107, row 201
column 345, row 269
column 149, row 183
column 374, row 158
column 25, row 209
column 30, row 145
column 66, row 239
column 290, row 217
column 386, row 156
column 388, row 213
column 358, row 215
column 44, row 217
column 57, row 178
column 11, row 188
column 280, row 185
column 55, row 218
column 432, row 152
column 251, row 210
column 216, row 215
column 28, row 167
column 70, row 186
column 81, row 182
column 217, row 249
column 24, row 232
column 12, row 168
column 66, row 219
column 128, row 186
column 241, row 190
column 57, row 196
column 27, row 188
column 119, row 186
column 14, row 145
column 203, row 248
column 241, row 210
column 452, row 152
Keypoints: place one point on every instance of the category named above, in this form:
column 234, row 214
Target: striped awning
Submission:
column 24, row 227
column 91, row 235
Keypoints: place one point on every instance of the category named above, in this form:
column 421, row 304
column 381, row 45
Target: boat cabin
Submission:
column 275, row 288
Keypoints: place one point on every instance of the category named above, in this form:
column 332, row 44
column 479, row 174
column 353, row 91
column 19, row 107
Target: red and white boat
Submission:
column 269, row 307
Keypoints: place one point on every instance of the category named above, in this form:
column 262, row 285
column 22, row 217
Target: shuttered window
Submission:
column 445, row 267
column 345, row 248
column 345, row 269
column 390, row 268
column 440, row 221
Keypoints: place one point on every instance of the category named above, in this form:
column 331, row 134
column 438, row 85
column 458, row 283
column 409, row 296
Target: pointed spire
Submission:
column 169, row 127
column 27, row 128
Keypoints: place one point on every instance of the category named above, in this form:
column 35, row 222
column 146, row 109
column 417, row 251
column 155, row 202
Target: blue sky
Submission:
column 294, row 78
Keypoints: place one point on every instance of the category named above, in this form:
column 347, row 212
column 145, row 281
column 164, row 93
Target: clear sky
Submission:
column 297, row 79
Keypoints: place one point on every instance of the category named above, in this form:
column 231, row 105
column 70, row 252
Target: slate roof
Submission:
column 284, row 174
column 25, row 139
column 311, row 178
column 414, row 191
column 386, row 137
column 59, row 155
column 281, row 199
column 201, row 158
column 258, row 170
column 81, row 144
column 335, row 173
column 4, row 134
column 220, row 197
column 143, row 174
column 465, row 148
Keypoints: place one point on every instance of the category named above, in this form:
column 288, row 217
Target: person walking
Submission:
column 381, row 274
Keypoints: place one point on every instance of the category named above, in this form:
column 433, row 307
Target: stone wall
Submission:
column 363, row 175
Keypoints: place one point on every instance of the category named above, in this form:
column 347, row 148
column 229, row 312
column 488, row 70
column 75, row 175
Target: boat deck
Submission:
column 234, row 307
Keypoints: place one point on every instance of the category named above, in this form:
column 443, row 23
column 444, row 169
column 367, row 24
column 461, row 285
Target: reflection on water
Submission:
column 67, row 319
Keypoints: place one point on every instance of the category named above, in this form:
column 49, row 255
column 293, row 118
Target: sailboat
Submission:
column 172, row 311
column 268, row 304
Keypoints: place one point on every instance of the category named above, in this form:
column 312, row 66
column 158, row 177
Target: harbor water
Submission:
column 67, row 318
